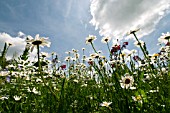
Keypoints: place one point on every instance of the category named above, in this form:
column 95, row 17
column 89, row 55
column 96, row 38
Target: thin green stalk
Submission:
column 144, row 52
column 140, row 45
column 60, row 108
column 93, row 47
column 41, row 74
column 109, row 50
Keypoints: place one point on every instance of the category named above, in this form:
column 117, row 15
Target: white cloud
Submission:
column 116, row 17
column 18, row 44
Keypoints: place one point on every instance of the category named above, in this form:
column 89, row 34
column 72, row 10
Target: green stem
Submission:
column 93, row 47
column 140, row 45
column 38, row 53
column 109, row 50
column 41, row 74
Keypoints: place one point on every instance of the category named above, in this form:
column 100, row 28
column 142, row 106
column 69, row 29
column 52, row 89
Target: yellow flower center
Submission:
column 138, row 98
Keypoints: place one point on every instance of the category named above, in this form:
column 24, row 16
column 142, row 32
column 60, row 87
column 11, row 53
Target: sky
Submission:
column 68, row 22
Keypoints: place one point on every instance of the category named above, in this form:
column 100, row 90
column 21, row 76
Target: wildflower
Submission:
column 137, row 98
column 122, row 55
column 63, row 67
column 44, row 54
column 155, row 55
column 73, row 59
column 164, row 70
column 90, row 60
column 115, row 48
column 103, row 57
column 136, row 58
column 127, row 81
column 133, row 31
column 3, row 98
column 77, row 55
column 35, row 91
column 94, row 55
column 53, row 53
column 167, row 44
column 105, row 39
column 11, row 66
column 125, row 43
column 83, row 49
column 9, row 44
column 41, row 41
column 137, row 44
column 167, row 49
column 164, row 38
column 68, row 52
column 76, row 81
column 27, row 78
column 8, row 79
column 99, row 52
column 106, row 104
column 153, row 91
column 84, row 85
column 55, row 60
column 38, row 80
column 4, row 73
column 17, row 98
column 74, row 51
column 67, row 58
column 90, row 39
column 84, row 57
column 146, row 77
column 162, row 49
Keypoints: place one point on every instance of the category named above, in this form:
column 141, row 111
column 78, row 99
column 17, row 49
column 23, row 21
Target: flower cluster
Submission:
column 123, row 82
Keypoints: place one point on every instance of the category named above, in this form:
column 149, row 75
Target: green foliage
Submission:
column 2, row 57
column 25, row 54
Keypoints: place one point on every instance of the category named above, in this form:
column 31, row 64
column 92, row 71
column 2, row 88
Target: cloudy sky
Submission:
column 68, row 22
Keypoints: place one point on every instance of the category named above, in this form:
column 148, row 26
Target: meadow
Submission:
column 118, row 83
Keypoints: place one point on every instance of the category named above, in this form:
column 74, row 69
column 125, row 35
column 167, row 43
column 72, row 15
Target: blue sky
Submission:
column 68, row 22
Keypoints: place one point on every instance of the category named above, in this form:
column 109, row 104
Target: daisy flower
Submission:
column 4, row 98
column 17, row 98
column 106, row 104
column 137, row 44
column 68, row 58
column 164, row 38
column 41, row 41
column 127, row 81
column 34, row 90
column 90, row 60
column 133, row 31
column 44, row 54
column 137, row 98
column 83, row 49
column 90, row 39
column 105, row 39
column 94, row 55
